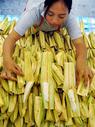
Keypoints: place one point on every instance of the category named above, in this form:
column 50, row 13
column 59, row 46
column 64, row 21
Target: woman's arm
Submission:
column 26, row 21
column 82, row 70
column 81, row 51
column 9, row 66
column 9, row 45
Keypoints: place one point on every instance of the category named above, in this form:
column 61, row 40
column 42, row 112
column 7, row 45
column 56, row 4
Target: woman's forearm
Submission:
column 8, row 48
column 9, row 45
column 81, row 50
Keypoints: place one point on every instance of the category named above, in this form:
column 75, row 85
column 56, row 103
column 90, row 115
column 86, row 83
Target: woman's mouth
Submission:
column 54, row 25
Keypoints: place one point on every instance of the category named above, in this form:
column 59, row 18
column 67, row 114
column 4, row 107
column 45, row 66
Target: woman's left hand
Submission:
column 83, row 72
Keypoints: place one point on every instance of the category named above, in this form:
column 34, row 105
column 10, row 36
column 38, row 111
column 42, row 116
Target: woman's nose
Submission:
column 55, row 21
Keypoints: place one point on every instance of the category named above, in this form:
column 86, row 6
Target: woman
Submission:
column 48, row 16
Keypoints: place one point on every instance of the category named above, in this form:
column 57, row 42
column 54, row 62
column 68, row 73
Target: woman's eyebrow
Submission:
column 50, row 11
column 62, row 14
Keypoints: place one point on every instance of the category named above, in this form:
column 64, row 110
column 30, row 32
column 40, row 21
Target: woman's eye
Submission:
column 61, row 17
column 50, row 14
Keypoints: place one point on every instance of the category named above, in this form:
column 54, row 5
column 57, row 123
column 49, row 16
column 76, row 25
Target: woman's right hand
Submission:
column 11, row 69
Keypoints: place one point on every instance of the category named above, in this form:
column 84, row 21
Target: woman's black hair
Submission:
column 49, row 3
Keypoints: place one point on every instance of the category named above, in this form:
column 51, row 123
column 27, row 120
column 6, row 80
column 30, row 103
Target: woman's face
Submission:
column 57, row 14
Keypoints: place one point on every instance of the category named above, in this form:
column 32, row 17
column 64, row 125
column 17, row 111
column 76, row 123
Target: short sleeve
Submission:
column 28, row 18
column 73, row 27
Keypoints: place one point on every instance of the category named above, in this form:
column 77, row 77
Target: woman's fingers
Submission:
column 19, row 70
column 88, row 76
column 7, row 75
column 91, row 74
column 16, row 71
column 79, row 76
column 78, row 79
column 10, row 76
column 3, row 75
column 86, row 79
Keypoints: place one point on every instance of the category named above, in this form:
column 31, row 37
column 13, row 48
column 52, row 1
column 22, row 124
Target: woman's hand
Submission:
column 10, row 67
column 83, row 72
column 10, row 70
